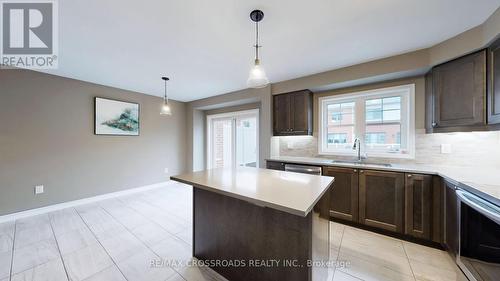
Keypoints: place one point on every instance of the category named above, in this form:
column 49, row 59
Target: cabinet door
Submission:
column 281, row 114
column 381, row 199
column 344, row 193
column 301, row 112
column 275, row 165
column 459, row 89
column 451, row 219
column 418, row 197
column 494, row 90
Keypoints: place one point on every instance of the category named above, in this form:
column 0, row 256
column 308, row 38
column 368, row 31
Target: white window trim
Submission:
column 360, row 116
column 232, row 116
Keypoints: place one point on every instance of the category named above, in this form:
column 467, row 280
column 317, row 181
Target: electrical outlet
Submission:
column 445, row 148
column 39, row 189
column 165, row 171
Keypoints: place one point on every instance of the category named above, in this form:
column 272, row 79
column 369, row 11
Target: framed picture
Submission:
column 117, row 118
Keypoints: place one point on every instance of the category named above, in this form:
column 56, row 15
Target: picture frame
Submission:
column 114, row 117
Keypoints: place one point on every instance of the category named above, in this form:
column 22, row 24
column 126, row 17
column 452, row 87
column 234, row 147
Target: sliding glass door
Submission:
column 233, row 139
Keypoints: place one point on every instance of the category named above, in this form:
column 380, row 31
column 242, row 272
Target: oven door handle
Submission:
column 484, row 207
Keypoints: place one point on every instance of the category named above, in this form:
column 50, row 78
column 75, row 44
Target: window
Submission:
column 233, row 139
column 337, row 138
column 383, row 119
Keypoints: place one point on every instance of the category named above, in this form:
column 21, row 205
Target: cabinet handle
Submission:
column 434, row 124
column 355, row 170
column 361, row 171
column 409, row 176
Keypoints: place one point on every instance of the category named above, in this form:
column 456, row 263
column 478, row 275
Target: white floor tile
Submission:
column 151, row 234
column 34, row 234
column 122, row 246
column 173, row 249
column 186, row 235
column 86, row 262
column 6, row 243
column 109, row 274
column 75, row 240
column 5, row 262
column 7, row 228
column 50, row 271
column 341, row 276
column 34, row 254
column 192, row 273
column 138, row 268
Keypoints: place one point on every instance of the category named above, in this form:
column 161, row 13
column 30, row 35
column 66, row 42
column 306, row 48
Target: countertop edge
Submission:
column 255, row 201
column 464, row 185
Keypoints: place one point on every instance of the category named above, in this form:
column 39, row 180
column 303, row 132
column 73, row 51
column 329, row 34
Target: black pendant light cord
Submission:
column 257, row 41
column 165, row 97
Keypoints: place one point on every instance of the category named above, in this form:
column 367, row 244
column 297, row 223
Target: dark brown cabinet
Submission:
column 381, row 199
column 457, row 90
column 292, row 113
column 494, row 83
column 418, row 205
column 451, row 219
column 344, row 194
column 273, row 165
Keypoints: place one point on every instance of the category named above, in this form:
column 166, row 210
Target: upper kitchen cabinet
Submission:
column 292, row 113
column 494, row 85
column 456, row 94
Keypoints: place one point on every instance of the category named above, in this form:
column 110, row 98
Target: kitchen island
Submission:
column 258, row 224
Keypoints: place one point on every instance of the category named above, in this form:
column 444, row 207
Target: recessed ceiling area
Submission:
column 205, row 47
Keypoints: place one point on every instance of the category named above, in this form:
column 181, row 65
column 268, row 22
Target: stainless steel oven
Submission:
column 479, row 237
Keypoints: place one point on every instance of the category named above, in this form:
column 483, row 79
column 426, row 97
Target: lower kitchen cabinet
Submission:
column 418, row 205
column 451, row 219
column 381, row 199
column 344, row 194
column 273, row 165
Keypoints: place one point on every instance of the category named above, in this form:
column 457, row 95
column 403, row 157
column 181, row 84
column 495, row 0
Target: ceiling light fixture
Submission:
column 257, row 77
column 165, row 109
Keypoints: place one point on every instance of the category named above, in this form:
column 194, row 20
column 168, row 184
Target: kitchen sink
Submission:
column 354, row 162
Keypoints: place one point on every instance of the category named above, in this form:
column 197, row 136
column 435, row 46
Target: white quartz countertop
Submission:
column 293, row 193
column 484, row 182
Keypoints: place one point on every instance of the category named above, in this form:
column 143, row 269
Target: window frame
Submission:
column 407, row 93
column 233, row 115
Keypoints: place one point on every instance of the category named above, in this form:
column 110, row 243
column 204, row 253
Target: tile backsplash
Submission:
column 475, row 149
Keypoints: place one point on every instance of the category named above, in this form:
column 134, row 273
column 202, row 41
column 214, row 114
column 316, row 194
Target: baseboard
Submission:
column 60, row 206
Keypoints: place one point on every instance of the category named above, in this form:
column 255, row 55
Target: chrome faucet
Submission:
column 357, row 146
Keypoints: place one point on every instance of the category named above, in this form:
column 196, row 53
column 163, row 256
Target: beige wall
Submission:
column 46, row 137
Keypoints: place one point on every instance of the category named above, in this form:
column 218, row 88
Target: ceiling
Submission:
column 205, row 47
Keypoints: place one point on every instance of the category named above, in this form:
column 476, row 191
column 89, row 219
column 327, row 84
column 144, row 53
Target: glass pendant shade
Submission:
column 257, row 77
column 165, row 109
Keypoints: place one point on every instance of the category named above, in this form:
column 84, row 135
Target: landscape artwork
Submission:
column 113, row 117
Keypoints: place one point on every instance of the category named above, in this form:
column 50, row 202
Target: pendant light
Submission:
column 257, row 77
column 165, row 109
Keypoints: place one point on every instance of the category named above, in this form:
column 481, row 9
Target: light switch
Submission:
column 39, row 189
column 445, row 148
